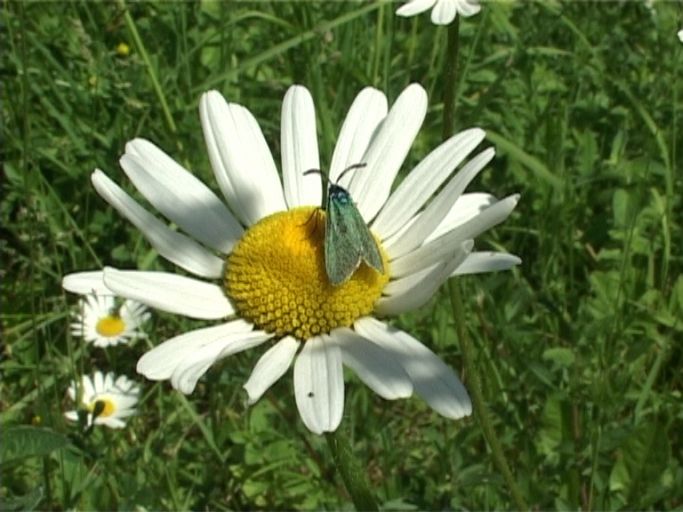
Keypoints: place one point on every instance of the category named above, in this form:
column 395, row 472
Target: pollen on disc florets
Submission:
column 276, row 278
column 110, row 325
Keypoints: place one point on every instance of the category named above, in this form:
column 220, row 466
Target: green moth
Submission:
column 348, row 241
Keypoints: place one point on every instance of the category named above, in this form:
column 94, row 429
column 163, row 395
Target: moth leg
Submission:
column 315, row 214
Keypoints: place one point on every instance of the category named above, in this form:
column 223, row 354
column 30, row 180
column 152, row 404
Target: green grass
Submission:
column 579, row 347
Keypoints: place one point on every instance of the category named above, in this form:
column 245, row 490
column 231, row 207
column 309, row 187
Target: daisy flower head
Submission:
column 680, row 35
column 104, row 321
column 256, row 258
column 106, row 399
column 443, row 11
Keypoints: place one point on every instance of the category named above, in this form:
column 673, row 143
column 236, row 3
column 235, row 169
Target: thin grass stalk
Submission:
column 473, row 381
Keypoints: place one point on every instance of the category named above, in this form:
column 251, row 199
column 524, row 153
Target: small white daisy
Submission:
column 680, row 35
column 111, row 399
column 260, row 267
column 443, row 11
column 100, row 320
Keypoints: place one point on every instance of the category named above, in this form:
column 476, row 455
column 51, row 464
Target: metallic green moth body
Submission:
column 348, row 240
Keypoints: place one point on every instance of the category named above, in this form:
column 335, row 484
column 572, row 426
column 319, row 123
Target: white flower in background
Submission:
column 259, row 265
column 443, row 11
column 109, row 399
column 680, row 35
column 101, row 321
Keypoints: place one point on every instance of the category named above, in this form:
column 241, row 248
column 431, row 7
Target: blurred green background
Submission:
column 579, row 347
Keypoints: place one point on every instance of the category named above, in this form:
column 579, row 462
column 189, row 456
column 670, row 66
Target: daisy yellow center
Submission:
column 276, row 278
column 110, row 325
column 107, row 407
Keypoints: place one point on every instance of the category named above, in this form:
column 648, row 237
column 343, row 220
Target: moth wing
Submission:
column 343, row 250
column 368, row 245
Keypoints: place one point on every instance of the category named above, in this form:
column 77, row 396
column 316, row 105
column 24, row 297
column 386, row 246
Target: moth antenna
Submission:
column 317, row 171
column 350, row 168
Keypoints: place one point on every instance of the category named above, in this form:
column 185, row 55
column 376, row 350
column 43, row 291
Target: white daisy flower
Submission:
column 109, row 399
column 104, row 323
column 443, row 11
column 680, row 35
column 259, row 265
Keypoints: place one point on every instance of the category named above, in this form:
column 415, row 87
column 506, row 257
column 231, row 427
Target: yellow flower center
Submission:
column 106, row 407
column 110, row 326
column 276, row 278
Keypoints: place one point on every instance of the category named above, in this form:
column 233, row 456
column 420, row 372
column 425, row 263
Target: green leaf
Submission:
column 26, row 503
column 642, row 460
column 560, row 356
column 621, row 208
column 26, row 441
column 550, row 434
column 537, row 168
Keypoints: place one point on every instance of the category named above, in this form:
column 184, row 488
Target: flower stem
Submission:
column 137, row 40
column 450, row 75
column 474, row 387
column 473, row 382
column 350, row 470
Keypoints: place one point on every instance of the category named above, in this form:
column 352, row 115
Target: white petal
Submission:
column 125, row 385
column 405, row 284
column 160, row 362
column 390, row 240
column 175, row 247
column 134, row 315
column 438, row 249
column 85, row 283
column 98, row 382
column 110, row 422
column 369, row 108
column 71, row 415
column 412, row 297
column 270, row 367
column 444, row 12
column 71, row 391
column 465, row 208
column 432, row 379
column 424, row 180
column 195, row 364
column 414, row 7
column 125, row 399
column 440, row 206
column 468, row 8
column 125, row 413
column 319, row 385
column 240, row 158
column 299, row 149
column 170, row 292
column 479, row 262
column 376, row 367
column 179, row 196
column 88, row 390
column 370, row 187
column 109, row 381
